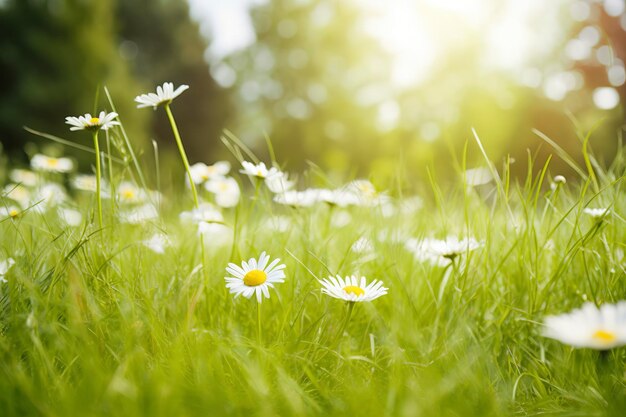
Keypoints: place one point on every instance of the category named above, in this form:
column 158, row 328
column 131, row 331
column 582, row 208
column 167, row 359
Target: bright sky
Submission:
column 514, row 36
column 415, row 32
column 226, row 22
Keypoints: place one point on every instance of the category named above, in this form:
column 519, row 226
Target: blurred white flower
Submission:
column 279, row 224
column 279, row 182
column 259, row 170
column 4, row 268
column 340, row 218
column 138, row 214
column 451, row 246
column 206, row 212
column 201, row 172
column 47, row 196
column 297, row 198
column 9, row 211
column 363, row 188
column 215, row 234
column 70, row 216
column 557, row 181
column 411, row 205
column 129, row 193
column 104, row 121
column 17, row 193
column 416, row 247
column 478, row 176
column 157, row 243
column 364, row 194
column 24, row 177
column 45, row 163
column 340, row 197
column 441, row 252
column 590, row 327
column 88, row 183
column 225, row 189
column 352, row 288
column 164, row 95
column 362, row 245
column 596, row 213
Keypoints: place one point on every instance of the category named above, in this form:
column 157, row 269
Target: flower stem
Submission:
column 98, row 174
column 183, row 155
column 346, row 321
column 258, row 322
column 111, row 193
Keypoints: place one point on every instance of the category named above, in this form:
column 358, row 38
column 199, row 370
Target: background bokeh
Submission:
column 357, row 87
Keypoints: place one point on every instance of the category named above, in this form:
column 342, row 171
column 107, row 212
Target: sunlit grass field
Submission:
column 93, row 322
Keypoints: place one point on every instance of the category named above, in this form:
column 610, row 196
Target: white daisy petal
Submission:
column 589, row 326
column 352, row 288
column 254, row 277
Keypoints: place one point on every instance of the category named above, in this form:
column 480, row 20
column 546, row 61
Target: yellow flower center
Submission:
column 353, row 289
column 604, row 336
column 53, row 162
column 94, row 121
column 254, row 278
column 13, row 213
column 128, row 194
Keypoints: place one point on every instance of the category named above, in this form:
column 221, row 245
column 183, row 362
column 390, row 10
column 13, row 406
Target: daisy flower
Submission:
column 24, row 177
column 352, row 288
column 589, row 326
column 279, row 182
column 164, row 95
column 341, row 198
column 45, row 163
column 254, row 277
column 139, row 214
column 129, row 193
column 226, row 191
column 49, row 195
column 417, row 248
column 201, row 172
column 259, row 170
column 9, row 211
column 88, row 183
column 449, row 248
column 206, row 212
column 17, row 193
column 297, row 198
column 70, row 216
column 104, row 121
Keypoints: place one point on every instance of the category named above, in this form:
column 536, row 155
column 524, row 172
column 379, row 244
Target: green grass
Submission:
column 92, row 323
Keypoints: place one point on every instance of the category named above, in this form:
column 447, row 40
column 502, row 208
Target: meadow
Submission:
column 134, row 317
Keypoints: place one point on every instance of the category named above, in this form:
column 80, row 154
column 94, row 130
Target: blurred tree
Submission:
column 310, row 85
column 324, row 88
column 162, row 43
column 53, row 57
